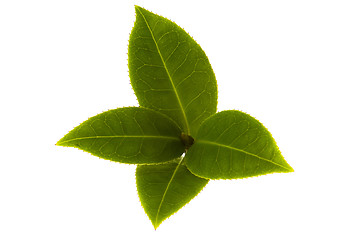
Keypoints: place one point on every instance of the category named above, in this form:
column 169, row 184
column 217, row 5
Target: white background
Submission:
column 294, row 65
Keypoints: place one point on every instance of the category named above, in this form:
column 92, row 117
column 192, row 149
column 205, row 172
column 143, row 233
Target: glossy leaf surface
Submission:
column 232, row 144
column 164, row 188
column 170, row 72
column 128, row 135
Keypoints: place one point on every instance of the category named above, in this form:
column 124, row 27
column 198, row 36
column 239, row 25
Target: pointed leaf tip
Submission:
column 164, row 65
column 129, row 135
column 61, row 142
column 232, row 144
column 165, row 188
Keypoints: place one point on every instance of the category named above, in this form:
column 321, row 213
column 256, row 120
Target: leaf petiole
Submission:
column 187, row 140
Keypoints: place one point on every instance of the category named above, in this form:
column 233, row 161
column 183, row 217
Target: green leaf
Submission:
column 128, row 135
column 232, row 144
column 170, row 72
column 165, row 188
column 177, row 91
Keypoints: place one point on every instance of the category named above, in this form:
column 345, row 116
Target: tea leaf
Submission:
column 165, row 188
column 170, row 72
column 177, row 91
column 232, row 144
column 128, row 135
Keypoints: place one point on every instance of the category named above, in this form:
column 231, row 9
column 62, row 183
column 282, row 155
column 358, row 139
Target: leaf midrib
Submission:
column 120, row 136
column 166, row 190
column 242, row 151
column 187, row 130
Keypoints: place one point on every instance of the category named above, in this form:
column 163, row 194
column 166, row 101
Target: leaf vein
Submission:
column 121, row 137
column 240, row 150
column 187, row 130
column 166, row 190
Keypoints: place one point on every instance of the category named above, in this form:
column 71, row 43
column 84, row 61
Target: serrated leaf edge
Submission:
column 243, row 151
column 156, row 224
column 187, row 129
